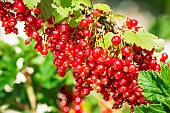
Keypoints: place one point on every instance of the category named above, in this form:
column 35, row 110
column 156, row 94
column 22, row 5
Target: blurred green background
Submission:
column 42, row 85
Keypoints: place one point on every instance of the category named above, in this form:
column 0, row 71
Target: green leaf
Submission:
column 64, row 12
column 159, row 46
column 76, row 3
column 153, row 108
column 153, row 86
column 144, row 39
column 31, row 3
column 118, row 16
column 63, row 3
column 74, row 22
column 166, row 102
column 103, row 7
column 57, row 16
column 165, row 75
column 58, row 2
column 46, row 9
column 107, row 39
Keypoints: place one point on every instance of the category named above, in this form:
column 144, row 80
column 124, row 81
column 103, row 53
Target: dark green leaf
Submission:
column 165, row 75
column 153, row 86
column 153, row 108
column 74, row 22
column 58, row 2
column 63, row 3
column 166, row 102
column 46, row 9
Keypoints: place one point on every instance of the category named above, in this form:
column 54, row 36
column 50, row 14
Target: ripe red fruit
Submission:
column 86, row 91
column 44, row 51
column 134, row 22
column 95, row 13
column 84, row 23
column 19, row 6
column 118, row 75
column 117, row 63
column 164, row 57
column 37, row 11
column 126, row 51
column 86, row 32
column 116, row 40
column 90, row 19
column 63, row 28
column 34, row 35
column 27, row 42
column 12, row 21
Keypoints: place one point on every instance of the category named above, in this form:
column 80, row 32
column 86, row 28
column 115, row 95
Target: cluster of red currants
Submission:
column 112, row 71
column 10, row 13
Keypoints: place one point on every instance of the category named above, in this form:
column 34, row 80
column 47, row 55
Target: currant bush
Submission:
column 110, row 70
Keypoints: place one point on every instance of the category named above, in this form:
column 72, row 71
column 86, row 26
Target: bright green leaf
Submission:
column 159, row 46
column 107, row 39
column 153, row 86
column 74, row 22
column 64, row 12
column 101, row 43
column 103, row 7
column 153, row 108
column 118, row 16
column 31, row 3
column 46, row 9
column 144, row 39
column 57, row 16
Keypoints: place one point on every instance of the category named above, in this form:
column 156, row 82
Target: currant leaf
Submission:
column 103, row 7
column 57, row 16
column 165, row 75
column 154, row 88
column 74, row 22
column 31, row 3
column 64, row 12
column 144, row 39
column 153, row 108
column 107, row 39
column 46, row 9
column 118, row 16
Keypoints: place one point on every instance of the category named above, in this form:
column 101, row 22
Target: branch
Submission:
column 30, row 91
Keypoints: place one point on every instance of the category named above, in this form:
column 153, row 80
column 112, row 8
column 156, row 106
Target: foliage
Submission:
column 156, row 88
column 81, row 25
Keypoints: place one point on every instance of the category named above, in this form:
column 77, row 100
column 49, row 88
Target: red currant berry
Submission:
column 116, row 40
